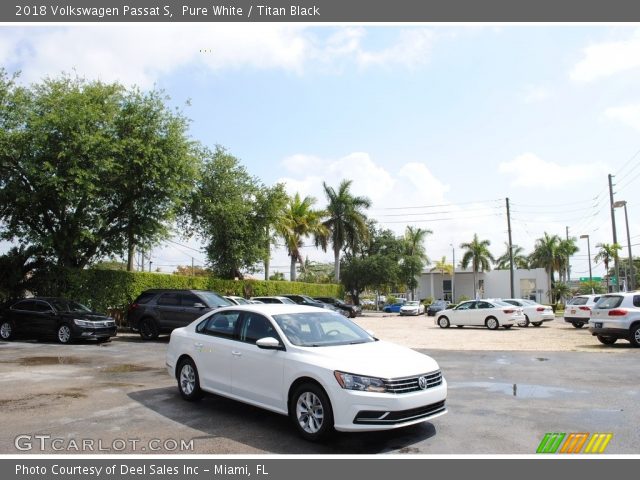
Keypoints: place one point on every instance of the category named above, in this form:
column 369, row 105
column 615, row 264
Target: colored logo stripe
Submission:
column 573, row 442
column 598, row 443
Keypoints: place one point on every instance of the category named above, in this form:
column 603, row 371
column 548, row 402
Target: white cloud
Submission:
column 608, row 58
column 530, row 171
column 141, row 54
column 629, row 115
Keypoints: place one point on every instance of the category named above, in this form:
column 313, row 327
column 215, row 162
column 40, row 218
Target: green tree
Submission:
column 192, row 271
column 415, row 257
column 276, row 276
column 226, row 212
column 315, row 272
column 478, row 255
column 566, row 248
column 88, row 169
column 587, row 288
column 17, row 268
column 561, row 291
column 345, row 220
column 299, row 221
column 520, row 260
column 546, row 254
column 271, row 202
column 607, row 252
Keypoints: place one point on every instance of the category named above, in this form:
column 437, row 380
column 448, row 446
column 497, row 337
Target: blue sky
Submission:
column 417, row 116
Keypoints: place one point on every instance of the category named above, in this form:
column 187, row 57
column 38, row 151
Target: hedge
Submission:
column 104, row 290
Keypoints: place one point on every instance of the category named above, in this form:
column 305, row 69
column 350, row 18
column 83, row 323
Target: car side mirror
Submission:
column 199, row 305
column 269, row 343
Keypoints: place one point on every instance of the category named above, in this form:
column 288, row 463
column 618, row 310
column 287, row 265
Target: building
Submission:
column 532, row 284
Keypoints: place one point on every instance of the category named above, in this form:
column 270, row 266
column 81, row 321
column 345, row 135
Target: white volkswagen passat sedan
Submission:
column 489, row 313
column 413, row 307
column 534, row 313
column 314, row 365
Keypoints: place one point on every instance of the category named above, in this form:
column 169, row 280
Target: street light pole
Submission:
column 589, row 254
column 631, row 282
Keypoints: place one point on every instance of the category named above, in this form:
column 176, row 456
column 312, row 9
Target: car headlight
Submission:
column 82, row 323
column 349, row 381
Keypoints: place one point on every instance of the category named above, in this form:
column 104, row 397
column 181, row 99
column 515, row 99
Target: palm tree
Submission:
column 546, row 255
column 443, row 267
column 478, row 255
column 520, row 260
column 607, row 252
column 299, row 220
column 416, row 256
column 566, row 248
column 345, row 221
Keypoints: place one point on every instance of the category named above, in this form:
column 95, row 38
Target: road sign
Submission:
column 595, row 279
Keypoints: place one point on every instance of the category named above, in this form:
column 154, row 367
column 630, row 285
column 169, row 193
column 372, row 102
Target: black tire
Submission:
column 64, row 334
column 148, row 328
column 606, row 340
column 577, row 324
column 536, row 324
column 492, row 323
column 507, row 327
column 311, row 412
column 459, row 326
column 634, row 338
column 524, row 323
column 443, row 322
column 6, row 330
column 188, row 380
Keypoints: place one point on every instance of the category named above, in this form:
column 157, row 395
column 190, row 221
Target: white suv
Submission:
column 617, row 316
column 578, row 310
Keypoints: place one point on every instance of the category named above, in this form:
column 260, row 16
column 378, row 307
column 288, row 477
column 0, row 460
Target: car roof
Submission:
column 275, row 308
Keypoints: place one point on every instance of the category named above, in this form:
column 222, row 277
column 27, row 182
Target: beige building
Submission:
column 532, row 284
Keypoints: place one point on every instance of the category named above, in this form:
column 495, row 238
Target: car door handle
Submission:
column 236, row 353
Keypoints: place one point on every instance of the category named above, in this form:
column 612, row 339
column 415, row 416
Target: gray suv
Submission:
column 155, row 312
column 617, row 316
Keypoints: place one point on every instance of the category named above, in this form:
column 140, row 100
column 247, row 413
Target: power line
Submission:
column 438, row 205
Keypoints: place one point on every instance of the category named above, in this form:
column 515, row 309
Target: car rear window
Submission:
column 609, row 301
column 578, row 301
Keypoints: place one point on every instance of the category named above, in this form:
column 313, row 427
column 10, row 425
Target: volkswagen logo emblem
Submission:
column 422, row 383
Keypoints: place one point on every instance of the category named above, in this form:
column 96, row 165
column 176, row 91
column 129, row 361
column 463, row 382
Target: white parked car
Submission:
column 534, row 313
column 577, row 312
column 489, row 313
column 412, row 307
column 314, row 365
column 617, row 316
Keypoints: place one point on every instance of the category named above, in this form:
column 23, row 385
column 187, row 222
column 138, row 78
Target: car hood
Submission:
column 376, row 359
column 409, row 307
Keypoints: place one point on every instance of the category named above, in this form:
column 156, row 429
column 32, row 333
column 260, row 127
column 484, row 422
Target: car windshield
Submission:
column 412, row 304
column 214, row 300
column 320, row 329
column 68, row 306
column 241, row 301
column 608, row 302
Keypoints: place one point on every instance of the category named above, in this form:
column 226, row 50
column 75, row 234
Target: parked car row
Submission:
column 616, row 316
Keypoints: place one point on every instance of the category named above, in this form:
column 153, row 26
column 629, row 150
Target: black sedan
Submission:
column 437, row 306
column 45, row 317
column 353, row 310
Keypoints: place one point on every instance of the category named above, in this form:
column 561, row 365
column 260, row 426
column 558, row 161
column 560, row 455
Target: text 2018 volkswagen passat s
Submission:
column 317, row 367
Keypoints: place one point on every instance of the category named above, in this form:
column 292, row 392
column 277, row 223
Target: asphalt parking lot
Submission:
column 118, row 398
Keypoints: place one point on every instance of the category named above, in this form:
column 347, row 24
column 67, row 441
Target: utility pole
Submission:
column 510, row 250
column 615, row 234
column 568, row 264
column 193, row 273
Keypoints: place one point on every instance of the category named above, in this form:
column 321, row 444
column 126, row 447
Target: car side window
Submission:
column 189, row 300
column 170, row 299
column 255, row 327
column 25, row 306
column 636, row 300
column 483, row 305
column 42, row 307
column 464, row 306
column 222, row 324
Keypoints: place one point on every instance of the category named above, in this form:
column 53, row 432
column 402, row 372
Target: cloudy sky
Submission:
column 436, row 125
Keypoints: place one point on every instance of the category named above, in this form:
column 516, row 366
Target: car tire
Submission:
column 6, row 330
column 64, row 334
column 634, row 338
column 577, row 324
column 311, row 412
column 459, row 326
column 536, row 324
column 524, row 323
column 443, row 322
column 606, row 340
column 148, row 328
column 492, row 323
column 188, row 381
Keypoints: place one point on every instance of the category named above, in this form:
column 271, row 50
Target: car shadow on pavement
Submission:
column 220, row 418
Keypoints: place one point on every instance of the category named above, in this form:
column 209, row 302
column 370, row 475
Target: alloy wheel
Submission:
column 309, row 412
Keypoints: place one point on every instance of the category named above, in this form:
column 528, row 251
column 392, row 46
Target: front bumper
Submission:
column 88, row 332
column 361, row 411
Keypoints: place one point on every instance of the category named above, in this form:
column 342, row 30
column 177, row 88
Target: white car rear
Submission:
column 577, row 312
column 488, row 313
column 534, row 313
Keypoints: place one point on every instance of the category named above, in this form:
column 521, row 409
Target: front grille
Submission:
column 412, row 384
column 371, row 417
